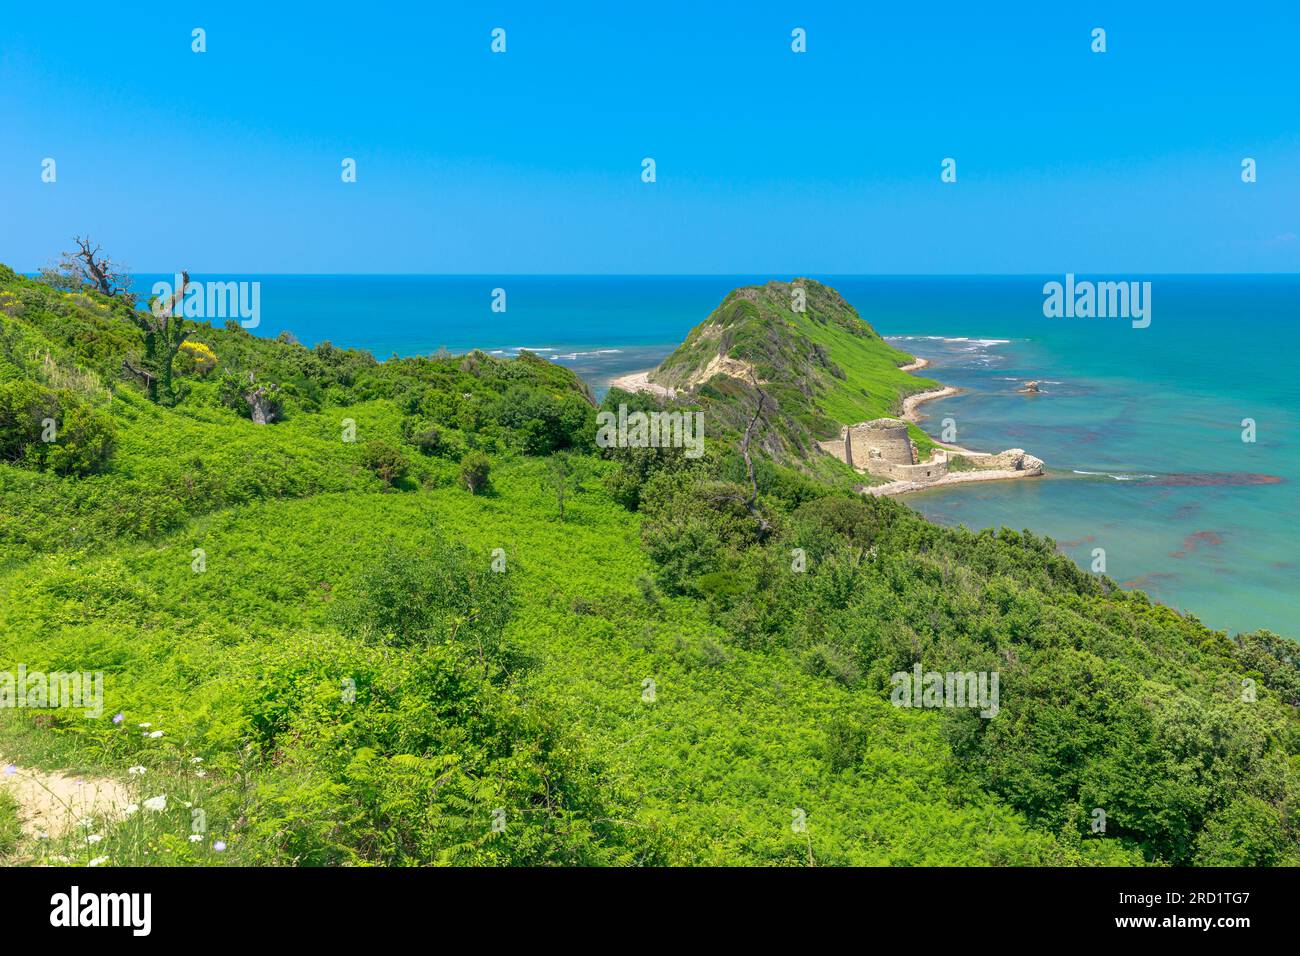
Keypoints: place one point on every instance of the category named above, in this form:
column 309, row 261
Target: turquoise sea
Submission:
column 1141, row 429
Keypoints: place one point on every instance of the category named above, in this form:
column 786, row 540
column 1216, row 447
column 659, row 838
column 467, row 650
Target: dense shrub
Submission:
column 542, row 422
column 693, row 527
column 424, row 436
column 47, row 429
column 388, row 463
column 475, row 472
column 194, row 358
column 432, row 764
column 435, row 594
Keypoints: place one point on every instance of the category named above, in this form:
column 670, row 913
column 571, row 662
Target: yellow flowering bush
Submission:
column 195, row 358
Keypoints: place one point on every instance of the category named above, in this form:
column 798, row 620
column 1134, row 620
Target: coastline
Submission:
column 912, row 402
column 640, row 382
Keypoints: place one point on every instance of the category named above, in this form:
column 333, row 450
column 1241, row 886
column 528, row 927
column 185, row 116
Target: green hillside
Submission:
column 422, row 618
column 820, row 365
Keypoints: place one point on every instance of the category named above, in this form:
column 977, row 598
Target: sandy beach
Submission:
column 911, row 402
column 640, row 382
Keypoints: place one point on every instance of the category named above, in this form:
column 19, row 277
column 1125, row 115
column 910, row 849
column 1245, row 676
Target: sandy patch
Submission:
column 52, row 803
column 725, row 365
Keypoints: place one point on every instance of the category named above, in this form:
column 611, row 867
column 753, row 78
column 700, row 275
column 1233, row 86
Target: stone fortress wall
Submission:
column 936, row 467
column 881, row 447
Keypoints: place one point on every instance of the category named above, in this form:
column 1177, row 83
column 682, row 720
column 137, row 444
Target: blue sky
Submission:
column 768, row 161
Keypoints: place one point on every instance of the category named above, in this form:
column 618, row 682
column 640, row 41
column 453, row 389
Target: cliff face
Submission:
column 818, row 362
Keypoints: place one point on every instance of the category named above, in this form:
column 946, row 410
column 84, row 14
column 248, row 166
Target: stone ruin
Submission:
column 882, row 447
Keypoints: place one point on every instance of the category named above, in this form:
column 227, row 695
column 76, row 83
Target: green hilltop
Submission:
column 819, row 363
column 422, row 618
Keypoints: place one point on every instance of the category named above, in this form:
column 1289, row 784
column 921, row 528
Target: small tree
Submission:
column 387, row 462
column 560, row 478
column 475, row 470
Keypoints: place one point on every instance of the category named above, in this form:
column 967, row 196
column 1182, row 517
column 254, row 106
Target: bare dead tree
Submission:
column 164, row 330
column 88, row 265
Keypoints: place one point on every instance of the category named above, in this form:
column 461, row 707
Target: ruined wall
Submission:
column 882, row 448
column 937, row 467
column 1013, row 459
column 882, row 438
column 836, row 448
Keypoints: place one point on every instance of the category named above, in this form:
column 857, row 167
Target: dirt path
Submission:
column 52, row 803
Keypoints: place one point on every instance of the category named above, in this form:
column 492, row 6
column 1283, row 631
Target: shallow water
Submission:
column 1142, row 431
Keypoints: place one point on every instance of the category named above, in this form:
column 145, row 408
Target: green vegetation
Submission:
column 10, row 825
column 42, row 428
column 421, row 618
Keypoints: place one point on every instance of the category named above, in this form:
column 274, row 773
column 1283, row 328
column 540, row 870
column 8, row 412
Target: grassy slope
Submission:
column 732, row 744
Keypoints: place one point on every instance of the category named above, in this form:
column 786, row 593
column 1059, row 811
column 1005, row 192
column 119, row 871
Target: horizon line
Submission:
column 685, row 275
